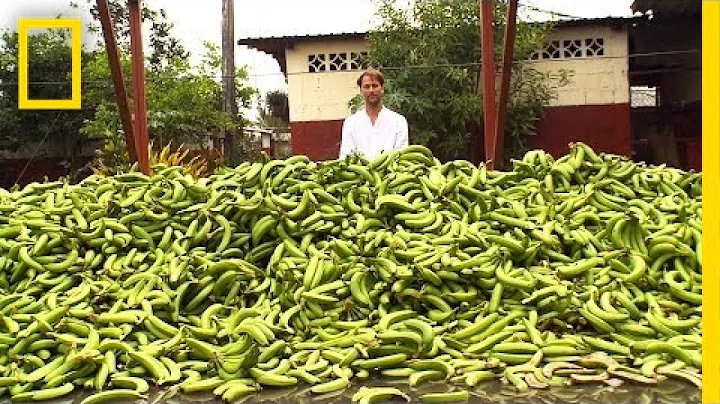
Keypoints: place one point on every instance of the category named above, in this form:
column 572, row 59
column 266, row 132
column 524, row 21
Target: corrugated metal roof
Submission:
column 670, row 8
column 581, row 22
column 601, row 21
column 242, row 41
column 277, row 45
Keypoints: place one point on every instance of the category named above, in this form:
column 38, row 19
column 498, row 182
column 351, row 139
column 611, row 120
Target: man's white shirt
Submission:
column 390, row 132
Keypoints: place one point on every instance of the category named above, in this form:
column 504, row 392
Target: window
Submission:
column 356, row 60
column 316, row 63
column 337, row 61
column 594, row 47
column 552, row 51
column 340, row 61
column 571, row 49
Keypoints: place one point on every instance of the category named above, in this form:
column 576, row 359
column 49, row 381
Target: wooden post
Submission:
column 138, row 84
column 228, row 73
column 488, row 77
column 118, row 78
column 508, row 53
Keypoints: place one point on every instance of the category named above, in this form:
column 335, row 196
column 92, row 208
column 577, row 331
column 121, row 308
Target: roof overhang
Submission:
column 277, row 46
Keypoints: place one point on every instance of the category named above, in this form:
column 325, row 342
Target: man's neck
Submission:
column 373, row 111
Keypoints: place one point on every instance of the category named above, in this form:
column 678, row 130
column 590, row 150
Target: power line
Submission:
column 551, row 12
column 439, row 65
column 628, row 56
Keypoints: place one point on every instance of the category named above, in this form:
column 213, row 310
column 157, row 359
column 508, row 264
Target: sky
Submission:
column 199, row 21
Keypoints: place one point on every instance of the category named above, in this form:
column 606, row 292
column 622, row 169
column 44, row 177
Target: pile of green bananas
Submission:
column 582, row 269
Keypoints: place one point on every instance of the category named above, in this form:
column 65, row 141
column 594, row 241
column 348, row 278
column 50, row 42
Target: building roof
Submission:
column 276, row 45
column 599, row 21
column 668, row 8
column 565, row 23
column 329, row 35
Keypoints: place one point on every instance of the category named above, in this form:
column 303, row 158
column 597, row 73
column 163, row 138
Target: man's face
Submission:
column 371, row 90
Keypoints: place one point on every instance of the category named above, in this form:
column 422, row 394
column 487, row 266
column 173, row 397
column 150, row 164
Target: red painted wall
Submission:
column 606, row 128
column 37, row 170
column 319, row 140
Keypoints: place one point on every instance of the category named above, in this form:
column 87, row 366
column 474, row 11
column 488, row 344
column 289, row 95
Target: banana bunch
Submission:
column 581, row 269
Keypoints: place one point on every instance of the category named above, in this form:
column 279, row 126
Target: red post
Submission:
column 508, row 53
column 138, row 84
column 118, row 78
column 488, row 78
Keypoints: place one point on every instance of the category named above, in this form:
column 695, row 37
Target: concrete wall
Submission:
column 594, row 80
column 595, row 106
column 320, row 96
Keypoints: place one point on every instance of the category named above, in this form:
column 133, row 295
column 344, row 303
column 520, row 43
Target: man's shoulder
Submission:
column 395, row 115
column 354, row 116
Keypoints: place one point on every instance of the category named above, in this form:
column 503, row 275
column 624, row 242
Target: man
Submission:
column 375, row 128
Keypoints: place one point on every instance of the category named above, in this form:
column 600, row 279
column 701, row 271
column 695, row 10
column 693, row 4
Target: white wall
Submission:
column 320, row 96
column 593, row 80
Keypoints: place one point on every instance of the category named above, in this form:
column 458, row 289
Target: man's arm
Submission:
column 347, row 144
column 401, row 136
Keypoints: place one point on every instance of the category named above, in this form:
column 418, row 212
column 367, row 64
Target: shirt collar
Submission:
column 380, row 114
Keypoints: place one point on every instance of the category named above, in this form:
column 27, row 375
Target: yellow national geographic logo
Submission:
column 26, row 24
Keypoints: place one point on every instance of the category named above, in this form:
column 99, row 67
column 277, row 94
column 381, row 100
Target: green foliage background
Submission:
column 184, row 98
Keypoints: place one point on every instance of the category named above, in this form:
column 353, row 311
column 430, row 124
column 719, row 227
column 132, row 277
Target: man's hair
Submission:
column 371, row 73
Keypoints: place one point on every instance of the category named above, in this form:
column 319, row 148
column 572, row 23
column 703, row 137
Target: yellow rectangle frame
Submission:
column 711, row 200
column 24, row 26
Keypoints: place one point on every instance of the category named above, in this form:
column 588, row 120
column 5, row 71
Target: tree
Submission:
column 184, row 105
column 49, row 67
column 430, row 56
column 163, row 45
column 49, row 55
column 184, row 99
column 276, row 103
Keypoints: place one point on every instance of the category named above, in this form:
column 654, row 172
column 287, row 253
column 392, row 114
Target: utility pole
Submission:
column 228, row 73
